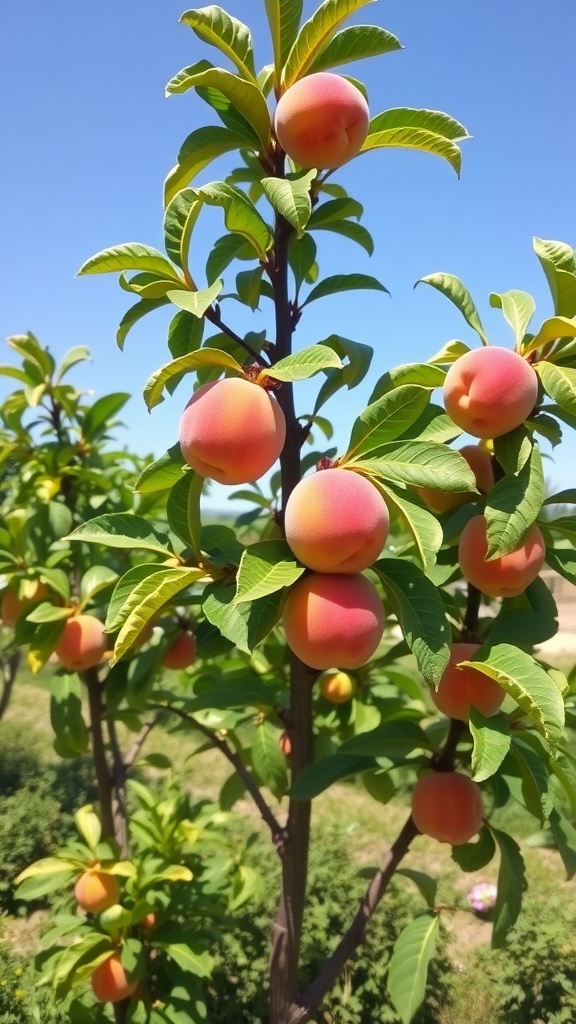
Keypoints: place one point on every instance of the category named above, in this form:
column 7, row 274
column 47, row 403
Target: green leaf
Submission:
column 88, row 825
column 475, row 856
column 353, row 372
column 200, row 148
column 355, row 43
column 195, row 302
column 454, row 290
column 122, row 530
column 513, row 506
column 423, row 527
column 428, row 131
column 421, row 464
column 190, row 956
column 334, row 210
column 34, row 888
column 558, row 261
column 492, row 740
column 79, row 354
column 177, row 509
column 424, row 375
column 291, row 198
column 301, row 257
column 66, row 716
column 408, row 968
column 527, row 683
column 240, row 215
column 522, row 627
column 47, row 612
column 304, row 364
column 47, row 866
column 563, row 560
column 394, row 741
column 134, row 314
column 559, row 383
column 245, row 96
column 163, row 473
column 266, row 567
column 153, row 391
column 179, row 220
column 534, row 779
column 518, row 309
column 268, row 761
column 421, row 614
column 386, row 419
column 318, row 777
column 96, row 579
column 246, row 625
column 122, row 591
column 510, row 887
column 349, row 229
column 147, row 598
column 131, row 256
column 284, row 20
column 215, row 26
column 315, row 35
column 225, row 249
column 551, row 330
column 512, row 450
column 426, row 885
column 97, row 419
column 564, row 835
column 343, row 283
column 249, row 286
column 241, row 692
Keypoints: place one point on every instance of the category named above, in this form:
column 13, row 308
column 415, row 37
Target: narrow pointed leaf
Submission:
column 513, row 506
column 218, row 28
column 421, row 614
column 315, row 35
column 510, row 887
column 199, row 150
column 195, row 302
column 122, row 530
column 344, row 283
column 421, row 525
column 284, row 21
column 453, row 289
column 408, row 968
column 131, row 256
column 243, row 95
column 355, row 43
column 384, row 420
column 518, row 309
column 559, row 383
column 147, row 598
column 291, row 197
column 134, row 314
column 304, row 364
column 154, row 389
column 491, row 737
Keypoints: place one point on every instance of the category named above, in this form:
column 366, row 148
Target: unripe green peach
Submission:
column 182, row 653
column 447, row 806
column 490, row 391
column 507, row 576
column 232, row 431
column 463, row 688
column 336, row 521
column 109, row 981
column 337, row 687
column 95, row 891
column 480, row 463
column 322, row 121
column 82, row 644
column 333, row 620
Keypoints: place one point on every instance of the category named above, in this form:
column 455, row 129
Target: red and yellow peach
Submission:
column 463, row 688
column 507, row 576
column 109, row 981
column 447, row 806
column 337, row 687
column 95, row 891
column 82, row 644
column 480, row 463
column 490, row 391
column 322, row 121
column 182, row 653
column 12, row 606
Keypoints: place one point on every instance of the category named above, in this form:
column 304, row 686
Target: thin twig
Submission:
column 120, row 808
column 139, row 742
column 213, row 315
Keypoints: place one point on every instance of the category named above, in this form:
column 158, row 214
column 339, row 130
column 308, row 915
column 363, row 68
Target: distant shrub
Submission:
column 20, row 1001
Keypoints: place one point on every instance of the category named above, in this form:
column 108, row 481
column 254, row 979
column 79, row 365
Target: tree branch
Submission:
column 119, row 806
column 139, row 742
column 213, row 315
column 103, row 776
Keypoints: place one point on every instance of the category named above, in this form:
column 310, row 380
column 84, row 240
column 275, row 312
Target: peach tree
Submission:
column 307, row 599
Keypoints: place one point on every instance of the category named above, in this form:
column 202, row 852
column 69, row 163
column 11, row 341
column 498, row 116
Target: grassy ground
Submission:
column 370, row 829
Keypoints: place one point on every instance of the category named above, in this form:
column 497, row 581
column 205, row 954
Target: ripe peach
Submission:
column 83, row 643
column 96, row 891
column 232, row 431
column 507, row 576
column 322, row 121
column 490, row 391
column 149, row 921
column 109, row 981
column 12, row 607
column 447, row 806
column 336, row 521
column 182, row 653
column 285, row 744
column 337, row 687
column 481, row 465
column 333, row 620
column 463, row 688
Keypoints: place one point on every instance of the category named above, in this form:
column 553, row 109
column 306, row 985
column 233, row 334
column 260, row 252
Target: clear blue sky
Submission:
column 87, row 138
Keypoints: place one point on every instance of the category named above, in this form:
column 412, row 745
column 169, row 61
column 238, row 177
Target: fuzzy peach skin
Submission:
column 232, row 431
column 336, row 521
column 507, row 576
column 109, row 982
column 448, row 807
column 337, row 687
column 463, row 688
column 333, row 620
column 82, row 644
column 182, row 653
column 11, row 607
column 96, row 891
column 490, row 391
column 480, row 463
column 322, row 121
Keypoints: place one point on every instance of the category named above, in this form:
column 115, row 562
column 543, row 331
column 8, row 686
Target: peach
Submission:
column 182, row 653
column 490, row 391
column 480, row 463
column 463, row 688
column 109, row 981
column 507, row 576
column 12, row 606
column 447, row 806
column 96, row 891
column 337, row 687
column 333, row 620
column 336, row 521
column 285, row 744
column 149, row 921
column 232, row 431
column 322, row 121
column 83, row 643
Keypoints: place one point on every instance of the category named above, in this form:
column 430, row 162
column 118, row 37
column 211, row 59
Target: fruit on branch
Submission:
column 232, row 431
column 490, row 391
column 336, row 521
column 83, row 643
column 480, row 463
column 285, row 744
column 447, row 806
column 95, row 891
column 109, row 981
column 507, row 576
column 149, row 921
column 322, row 121
column 12, row 607
column 463, row 688
column 333, row 620
column 337, row 687
column 182, row 653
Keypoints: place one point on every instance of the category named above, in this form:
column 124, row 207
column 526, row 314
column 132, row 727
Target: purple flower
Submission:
column 482, row 897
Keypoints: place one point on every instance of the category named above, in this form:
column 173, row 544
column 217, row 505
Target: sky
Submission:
column 87, row 138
